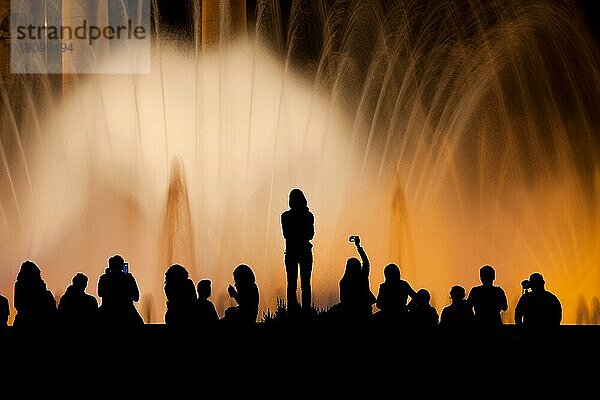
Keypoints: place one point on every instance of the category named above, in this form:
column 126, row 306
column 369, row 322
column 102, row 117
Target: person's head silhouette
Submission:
column 391, row 272
column 29, row 272
column 536, row 282
column 243, row 275
column 487, row 275
column 297, row 200
column 204, row 289
column 422, row 297
column 352, row 267
column 80, row 282
column 115, row 263
column 457, row 293
column 176, row 272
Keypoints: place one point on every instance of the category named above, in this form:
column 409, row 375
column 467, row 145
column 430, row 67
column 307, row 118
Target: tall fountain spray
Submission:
column 178, row 235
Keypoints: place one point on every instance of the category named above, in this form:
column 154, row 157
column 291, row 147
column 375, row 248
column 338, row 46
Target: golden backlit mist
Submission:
column 443, row 153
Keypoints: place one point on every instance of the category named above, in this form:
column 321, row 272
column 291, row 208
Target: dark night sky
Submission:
column 592, row 11
column 176, row 13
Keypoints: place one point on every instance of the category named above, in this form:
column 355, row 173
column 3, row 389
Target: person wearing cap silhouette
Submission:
column 538, row 309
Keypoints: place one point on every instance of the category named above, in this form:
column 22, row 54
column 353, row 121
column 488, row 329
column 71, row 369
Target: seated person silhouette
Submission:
column 393, row 294
column 77, row 309
column 459, row 314
column 245, row 293
column 35, row 304
column 422, row 315
column 538, row 310
column 206, row 314
column 488, row 300
column 181, row 299
column 4, row 313
column 356, row 298
column 118, row 290
column 298, row 226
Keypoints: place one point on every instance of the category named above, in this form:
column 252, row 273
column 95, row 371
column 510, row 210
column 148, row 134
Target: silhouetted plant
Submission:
column 269, row 318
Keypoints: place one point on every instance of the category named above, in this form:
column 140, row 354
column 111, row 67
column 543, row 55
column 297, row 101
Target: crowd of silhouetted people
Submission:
column 189, row 308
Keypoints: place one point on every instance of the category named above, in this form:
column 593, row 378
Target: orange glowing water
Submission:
column 447, row 137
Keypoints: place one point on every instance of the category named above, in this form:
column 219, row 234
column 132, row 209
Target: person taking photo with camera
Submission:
column 537, row 308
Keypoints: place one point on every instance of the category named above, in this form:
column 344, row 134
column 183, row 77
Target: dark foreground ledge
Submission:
column 156, row 336
column 290, row 352
column 584, row 339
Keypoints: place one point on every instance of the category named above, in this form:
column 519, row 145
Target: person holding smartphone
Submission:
column 356, row 298
column 118, row 290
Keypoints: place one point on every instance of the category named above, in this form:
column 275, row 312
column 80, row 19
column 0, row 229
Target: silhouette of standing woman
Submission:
column 298, row 226
column 35, row 304
column 118, row 290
